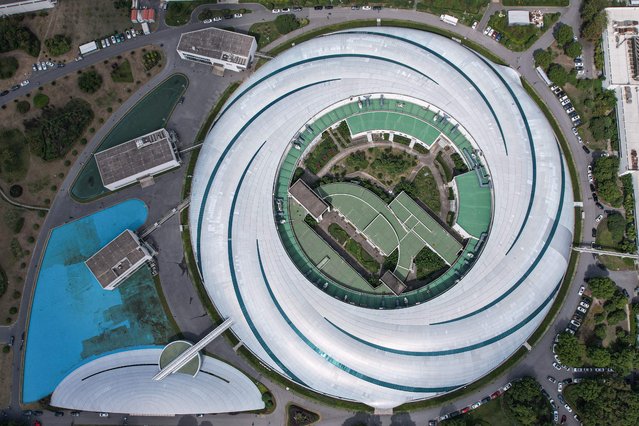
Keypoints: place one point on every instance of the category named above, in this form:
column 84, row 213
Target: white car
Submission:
column 582, row 310
column 581, row 290
column 237, row 15
column 574, row 131
column 565, row 101
column 217, row 19
column 567, row 407
column 366, row 8
column 598, row 218
column 569, row 110
column 24, row 83
column 104, row 414
column 134, row 33
column 560, row 386
column 576, row 117
column 207, row 21
column 128, row 34
column 487, row 30
column 589, row 168
column 474, row 25
column 551, row 379
column 570, row 331
column 557, row 366
column 275, row 11
column 584, row 304
column 575, row 323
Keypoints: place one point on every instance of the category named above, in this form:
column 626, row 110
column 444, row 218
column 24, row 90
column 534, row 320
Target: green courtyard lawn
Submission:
column 362, row 257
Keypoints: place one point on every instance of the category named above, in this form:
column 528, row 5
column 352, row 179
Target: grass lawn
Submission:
column 604, row 236
column 615, row 263
column 362, row 257
column 338, row 233
column 320, row 155
column 8, row 66
column 264, row 33
column 429, row 265
column 519, row 37
column 466, row 10
column 426, row 190
column 123, row 73
column 179, row 13
column 388, row 166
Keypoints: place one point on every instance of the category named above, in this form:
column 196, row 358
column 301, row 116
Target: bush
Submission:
column 23, row 107
column 57, row 129
column 8, row 66
column 58, row 45
column 13, row 310
column 286, row 23
column 90, row 82
column 600, row 331
column 40, row 100
column 15, row 191
column 428, row 264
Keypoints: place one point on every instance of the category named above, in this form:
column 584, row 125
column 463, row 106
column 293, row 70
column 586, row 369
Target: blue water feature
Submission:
column 69, row 307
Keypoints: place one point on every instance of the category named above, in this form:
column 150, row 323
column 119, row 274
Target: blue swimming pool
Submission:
column 72, row 320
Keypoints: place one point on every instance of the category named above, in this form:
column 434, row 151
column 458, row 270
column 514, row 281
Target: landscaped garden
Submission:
column 520, row 37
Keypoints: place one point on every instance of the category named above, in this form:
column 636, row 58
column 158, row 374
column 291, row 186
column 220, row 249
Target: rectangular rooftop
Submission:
column 308, row 199
column 119, row 259
column 214, row 43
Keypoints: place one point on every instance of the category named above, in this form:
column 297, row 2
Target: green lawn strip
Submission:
column 472, row 387
column 123, row 73
column 387, row 23
column 615, row 263
column 466, row 10
column 426, row 190
column 167, row 310
column 338, row 233
column 201, row 134
column 264, row 33
column 565, row 148
column 563, row 290
column 429, row 264
column 179, row 13
column 362, row 256
column 561, row 3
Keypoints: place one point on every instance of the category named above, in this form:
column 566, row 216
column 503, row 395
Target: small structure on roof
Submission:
column 518, row 17
column 391, row 281
column 137, row 159
column 224, row 50
column 308, row 199
column 119, row 259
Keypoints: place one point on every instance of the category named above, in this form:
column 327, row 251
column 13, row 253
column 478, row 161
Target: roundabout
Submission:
column 383, row 349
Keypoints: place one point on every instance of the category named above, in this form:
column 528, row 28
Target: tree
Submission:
column 90, row 81
column 542, row 58
column 569, row 350
column 557, row 74
column 23, row 107
column 286, row 23
column 563, row 34
column 616, row 316
column 606, row 403
column 617, row 226
column 602, row 287
column 523, row 399
column 592, row 29
column 599, row 357
column 573, row 49
column 8, row 66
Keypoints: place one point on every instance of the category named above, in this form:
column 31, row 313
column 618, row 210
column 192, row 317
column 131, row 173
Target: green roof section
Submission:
column 474, row 204
column 394, row 121
column 174, row 350
column 324, row 258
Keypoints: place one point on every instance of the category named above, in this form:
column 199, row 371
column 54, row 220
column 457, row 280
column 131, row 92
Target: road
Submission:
column 203, row 90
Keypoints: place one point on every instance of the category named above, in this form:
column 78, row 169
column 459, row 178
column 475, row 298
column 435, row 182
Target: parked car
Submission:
column 581, row 290
column 24, row 83
column 275, row 11
column 322, row 7
column 598, row 218
column 584, row 304
column 217, row 18
column 551, row 379
column 560, row 386
column 299, row 9
column 582, row 310
column 568, row 408
column 585, row 148
column 557, row 366
column 574, row 131
column 474, row 26
column 207, row 21
column 366, row 8
column 561, row 399
column 75, row 414
column 104, row 414
column 487, row 30
column 128, row 34
column 237, row 15
column 571, row 109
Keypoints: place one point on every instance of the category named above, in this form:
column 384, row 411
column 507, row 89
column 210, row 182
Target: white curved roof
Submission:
column 381, row 357
column 123, row 383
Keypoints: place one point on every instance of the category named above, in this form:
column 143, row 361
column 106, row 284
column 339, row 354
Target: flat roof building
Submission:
column 518, row 17
column 12, row 7
column 308, row 199
column 137, row 159
column 118, row 260
column 391, row 281
column 224, row 50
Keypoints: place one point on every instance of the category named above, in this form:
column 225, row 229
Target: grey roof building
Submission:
column 118, row 260
column 137, row 159
column 224, row 50
column 12, row 7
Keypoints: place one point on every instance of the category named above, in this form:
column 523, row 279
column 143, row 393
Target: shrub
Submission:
column 58, row 45
column 6, row 349
column 15, row 191
column 40, row 100
column 16, row 294
column 23, row 107
column 90, row 82
column 13, row 310
column 8, row 66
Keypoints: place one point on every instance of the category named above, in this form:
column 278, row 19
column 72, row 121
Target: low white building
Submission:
column 12, row 7
column 224, row 50
column 118, row 260
column 137, row 160
column 518, row 17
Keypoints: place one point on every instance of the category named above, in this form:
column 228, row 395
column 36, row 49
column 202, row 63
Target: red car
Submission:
column 563, row 419
column 495, row 395
column 465, row 410
column 37, row 423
